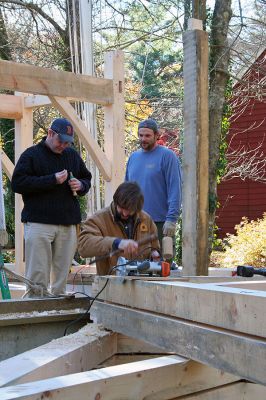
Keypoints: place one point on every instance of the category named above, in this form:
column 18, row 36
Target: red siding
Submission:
column 247, row 198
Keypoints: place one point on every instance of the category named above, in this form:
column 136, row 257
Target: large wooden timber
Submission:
column 7, row 165
column 159, row 378
column 232, row 308
column 238, row 354
column 114, row 122
column 195, row 153
column 25, row 324
column 89, row 142
column 215, row 325
column 31, row 79
column 65, row 363
column 23, row 140
column 77, row 352
column 10, row 106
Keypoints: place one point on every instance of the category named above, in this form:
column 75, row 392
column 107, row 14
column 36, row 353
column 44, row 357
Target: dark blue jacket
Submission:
column 45, row 201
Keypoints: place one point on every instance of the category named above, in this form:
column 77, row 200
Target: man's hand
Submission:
column 75, row 184
column 129, row 247
column 169, row 228
column 61, row 176
column 155, row 255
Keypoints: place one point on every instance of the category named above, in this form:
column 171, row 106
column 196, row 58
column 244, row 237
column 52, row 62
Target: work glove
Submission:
column 169, row 228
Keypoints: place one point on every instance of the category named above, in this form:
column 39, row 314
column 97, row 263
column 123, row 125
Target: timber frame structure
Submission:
column 58, row 88
column 173, row 338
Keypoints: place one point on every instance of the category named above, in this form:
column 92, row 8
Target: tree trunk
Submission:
column 5, row 52
column 219, row 64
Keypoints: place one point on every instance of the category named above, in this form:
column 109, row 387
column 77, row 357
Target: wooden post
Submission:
column 196, row 150
column 23, row 140
column 114, row 116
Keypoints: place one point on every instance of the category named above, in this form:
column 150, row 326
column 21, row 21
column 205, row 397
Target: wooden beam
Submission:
column 80, row 351
column 21, row 306
column 88, row 141
column 158, row 378
column 235, row 309
column 10, row 106
column 7, row 164
column 253, row 285
column 35, row 100
column 126, row 344
column 114, row 122
column 195, row 154
column 238, row 390
column 194, row 23
column 237, row 354
column 131, row 381
column 38, row 80
column 23, row 140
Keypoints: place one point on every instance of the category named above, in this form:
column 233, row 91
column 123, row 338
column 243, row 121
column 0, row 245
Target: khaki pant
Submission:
column 49, row 250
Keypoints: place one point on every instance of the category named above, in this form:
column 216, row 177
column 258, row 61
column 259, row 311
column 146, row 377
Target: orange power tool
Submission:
column 150, row 268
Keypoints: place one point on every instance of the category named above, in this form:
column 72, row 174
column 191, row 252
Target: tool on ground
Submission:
column 142, row 268
column 71, row 176
column 140, row 242
column 37, row 289
column 248, row 271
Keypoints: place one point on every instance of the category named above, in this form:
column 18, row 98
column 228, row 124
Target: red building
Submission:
column 243, row 192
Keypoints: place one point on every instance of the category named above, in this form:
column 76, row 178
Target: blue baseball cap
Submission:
column 64, row 129
column 150, row 124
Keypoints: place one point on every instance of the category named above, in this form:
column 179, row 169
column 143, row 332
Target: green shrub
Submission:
column 248, row 245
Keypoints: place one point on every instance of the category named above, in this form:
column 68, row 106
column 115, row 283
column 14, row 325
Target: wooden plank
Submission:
column 7, row 165
column 10, row 106
column 33, row 100
column 239, row 390
column 158, row 378
column 38, row 80
column 235, row 309
column 23, row 140
column 256, row 285
column 126, row 344
column 195, row 155
column 80, row 351
column 114, row 122
column 240, row 355
column 47, row 304
column 3, row 234
column 87, row 139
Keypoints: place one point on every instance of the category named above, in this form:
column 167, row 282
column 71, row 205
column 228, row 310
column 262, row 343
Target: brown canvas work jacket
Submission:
column 100, row 230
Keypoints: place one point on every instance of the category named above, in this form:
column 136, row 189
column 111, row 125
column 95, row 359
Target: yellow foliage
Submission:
column 248, row 246
column 137, row 109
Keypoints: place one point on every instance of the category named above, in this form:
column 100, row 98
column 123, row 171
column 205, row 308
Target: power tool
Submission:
column 142, row 268
column 248, row 271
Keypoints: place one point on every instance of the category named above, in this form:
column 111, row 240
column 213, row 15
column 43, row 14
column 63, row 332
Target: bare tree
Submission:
column 34, row 33
column 219, row 57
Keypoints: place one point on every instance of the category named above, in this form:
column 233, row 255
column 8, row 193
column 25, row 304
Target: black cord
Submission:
column 94, row 298
column 88, row 309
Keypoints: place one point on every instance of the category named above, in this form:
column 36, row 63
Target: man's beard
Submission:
column 147, row 146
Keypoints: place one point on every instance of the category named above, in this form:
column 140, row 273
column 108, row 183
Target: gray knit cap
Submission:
column 150, row 124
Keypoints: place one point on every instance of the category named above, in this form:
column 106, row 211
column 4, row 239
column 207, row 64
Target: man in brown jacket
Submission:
column 119, row 226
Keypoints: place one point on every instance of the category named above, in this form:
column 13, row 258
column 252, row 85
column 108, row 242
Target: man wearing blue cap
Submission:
column 50, row 176
column 157, row 170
